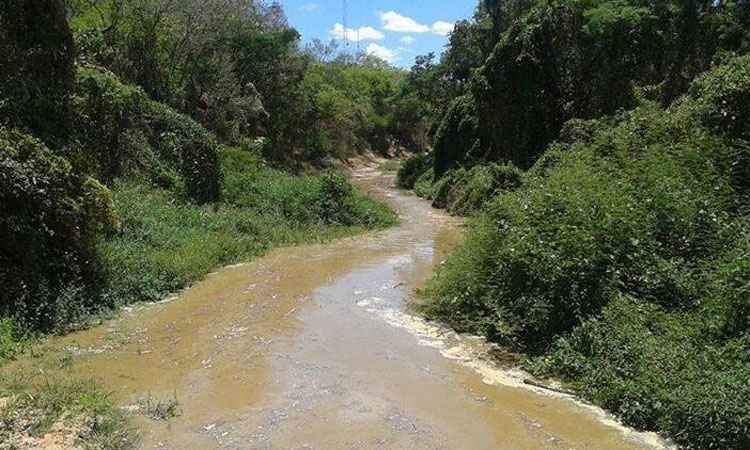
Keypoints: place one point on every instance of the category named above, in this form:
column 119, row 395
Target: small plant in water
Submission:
column 160, row 409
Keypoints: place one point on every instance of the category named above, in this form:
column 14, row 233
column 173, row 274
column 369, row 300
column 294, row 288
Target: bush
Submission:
column 123, row 133
column 444, row 187
column 50, row 216
column 621, row 265
column 424, row 185
column 722, row 97
column 194, row 151
column 412, row 169
column 559, row 258
column 457, row 138
column 479, row 185
column 165, row 244
column 9, row 340
column 335, row 193
column 656, row 370
column 728, row 302
column 466, row 191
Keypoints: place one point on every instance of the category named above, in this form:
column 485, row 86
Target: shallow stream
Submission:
column 315, row 347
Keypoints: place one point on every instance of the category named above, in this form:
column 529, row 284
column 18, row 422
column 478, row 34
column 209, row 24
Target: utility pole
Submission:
column 346, row 24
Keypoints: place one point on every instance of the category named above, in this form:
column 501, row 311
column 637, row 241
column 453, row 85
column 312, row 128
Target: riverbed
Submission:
column 319, row 347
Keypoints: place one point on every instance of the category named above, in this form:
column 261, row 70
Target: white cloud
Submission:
column 393, row 21
column 408, row 40
column 381, row 52
column 309, row 7
column 356, row 35
column 442, row 28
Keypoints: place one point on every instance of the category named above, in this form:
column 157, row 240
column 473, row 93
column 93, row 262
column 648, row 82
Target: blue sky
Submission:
column 394, row 30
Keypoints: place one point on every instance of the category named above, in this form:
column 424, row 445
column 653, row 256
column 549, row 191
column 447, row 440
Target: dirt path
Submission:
column 313, row 347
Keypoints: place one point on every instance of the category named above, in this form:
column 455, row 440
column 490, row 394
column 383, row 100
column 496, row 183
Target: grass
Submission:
column 166, row 244
column 160, row 409
column 163, row 244
column 60, row 409
column 391, row 165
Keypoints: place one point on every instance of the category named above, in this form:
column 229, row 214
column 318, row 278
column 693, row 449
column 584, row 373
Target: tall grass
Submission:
column 165, row 244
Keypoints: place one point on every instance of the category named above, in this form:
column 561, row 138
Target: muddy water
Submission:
column 314, row 347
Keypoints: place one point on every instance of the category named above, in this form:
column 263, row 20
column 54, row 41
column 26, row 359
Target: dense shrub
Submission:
column 558, row 257
column 657, row 371
column 424, row 186
column 184, row 55
column 722, row 97
column 49, row 219
column 464, row 191
column 10, row 337
column 524, row 85
column 457, row 138
column 621, row 262
column 123, row 132
column 528, row 67
column 353, row 107
column 479, row 185
column 728, row 302
column 412, row 169
column 335, row 192
column 36, row 68
column 444, row 186
column 182, row 141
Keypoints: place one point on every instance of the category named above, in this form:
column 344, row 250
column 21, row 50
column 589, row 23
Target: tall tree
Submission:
column 36, row 67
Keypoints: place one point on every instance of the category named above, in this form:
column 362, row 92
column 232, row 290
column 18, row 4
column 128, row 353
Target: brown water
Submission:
column 313, row 347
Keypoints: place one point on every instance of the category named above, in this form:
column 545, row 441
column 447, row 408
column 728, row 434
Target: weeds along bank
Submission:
column 134, row 127
column 131, row 166
column 160, row 243
column 165, row 244
column 619, row 262
column 178, row 204
column 602, row 150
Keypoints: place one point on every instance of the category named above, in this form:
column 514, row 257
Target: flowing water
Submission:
column 315, row 347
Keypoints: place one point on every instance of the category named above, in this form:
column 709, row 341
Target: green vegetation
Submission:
column 124, row 180
column 461, row 191
column 237, row 69
column 603, row 148
column 160, row 409
column 60, row 411
column 353, row 107
column 411, row 170
column 51, row 218
column 164, row 244
column 620, row 264
column 121, row 132
column 143, row 145
column 10, row 341
column 36, row 69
